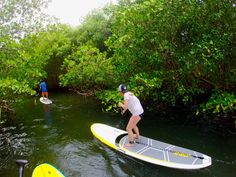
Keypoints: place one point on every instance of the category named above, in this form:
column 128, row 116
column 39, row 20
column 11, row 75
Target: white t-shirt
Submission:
column 134, row 105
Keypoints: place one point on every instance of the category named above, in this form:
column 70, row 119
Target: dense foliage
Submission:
column 167, row 52
column 19, row 64
column 177, row 51
column 87, row 68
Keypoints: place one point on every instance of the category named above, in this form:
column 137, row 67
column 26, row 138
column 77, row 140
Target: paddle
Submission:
column 175, row 152
column 36, row 96
column 21, row 163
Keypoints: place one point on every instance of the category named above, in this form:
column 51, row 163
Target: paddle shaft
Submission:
column 175, row 152
column 21, row 163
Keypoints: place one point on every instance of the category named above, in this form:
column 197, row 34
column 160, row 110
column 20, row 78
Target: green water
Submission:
column 60, row 135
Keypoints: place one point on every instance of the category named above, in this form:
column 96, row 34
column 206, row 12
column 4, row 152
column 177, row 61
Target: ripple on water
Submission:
column 38, row 120
column 16, row 141
column 76, row 158
column 82, row 157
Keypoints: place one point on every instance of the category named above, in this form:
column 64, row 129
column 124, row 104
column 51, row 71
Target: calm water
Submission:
column 60, row 134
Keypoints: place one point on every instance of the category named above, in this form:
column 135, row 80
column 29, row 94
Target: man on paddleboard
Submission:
column 43, row 88
column 132, row 103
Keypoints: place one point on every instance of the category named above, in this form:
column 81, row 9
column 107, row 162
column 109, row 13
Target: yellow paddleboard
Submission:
column 46, row 170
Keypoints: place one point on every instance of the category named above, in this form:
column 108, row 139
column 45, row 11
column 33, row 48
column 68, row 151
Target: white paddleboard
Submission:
column 45, row 100
column 151, row 150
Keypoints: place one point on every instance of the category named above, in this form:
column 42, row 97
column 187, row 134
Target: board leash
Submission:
column 174, row 152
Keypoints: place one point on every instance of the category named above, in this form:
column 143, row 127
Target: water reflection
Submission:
column 47, row 115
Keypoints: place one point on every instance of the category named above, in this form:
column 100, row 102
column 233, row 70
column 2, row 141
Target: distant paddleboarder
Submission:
column 132, row 103
column 43, row 88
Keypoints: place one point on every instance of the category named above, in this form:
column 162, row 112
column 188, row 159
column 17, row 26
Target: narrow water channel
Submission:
column 60, row 135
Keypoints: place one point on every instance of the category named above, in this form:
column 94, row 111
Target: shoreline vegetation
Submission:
column 167, row 54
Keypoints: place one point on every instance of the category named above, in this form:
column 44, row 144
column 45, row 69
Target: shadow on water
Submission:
column 60, row 134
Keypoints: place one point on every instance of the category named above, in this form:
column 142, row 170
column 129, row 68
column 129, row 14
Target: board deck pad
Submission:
column 163, row 151
column 45, row 100
column 150, row 150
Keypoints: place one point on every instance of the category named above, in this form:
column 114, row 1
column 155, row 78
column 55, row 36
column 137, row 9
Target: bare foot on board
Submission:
column 129, row 145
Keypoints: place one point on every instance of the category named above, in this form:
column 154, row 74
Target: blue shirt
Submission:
column 43, row 86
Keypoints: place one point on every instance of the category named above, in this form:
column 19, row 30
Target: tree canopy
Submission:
column 21, row 17
column 168, row 52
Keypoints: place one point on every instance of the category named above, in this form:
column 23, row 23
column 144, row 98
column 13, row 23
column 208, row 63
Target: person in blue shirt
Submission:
column 43, row 88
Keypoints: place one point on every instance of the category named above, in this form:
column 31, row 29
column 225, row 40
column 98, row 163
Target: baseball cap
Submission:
column 122, row 88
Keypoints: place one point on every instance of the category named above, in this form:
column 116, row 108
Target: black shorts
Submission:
column 141, row 115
